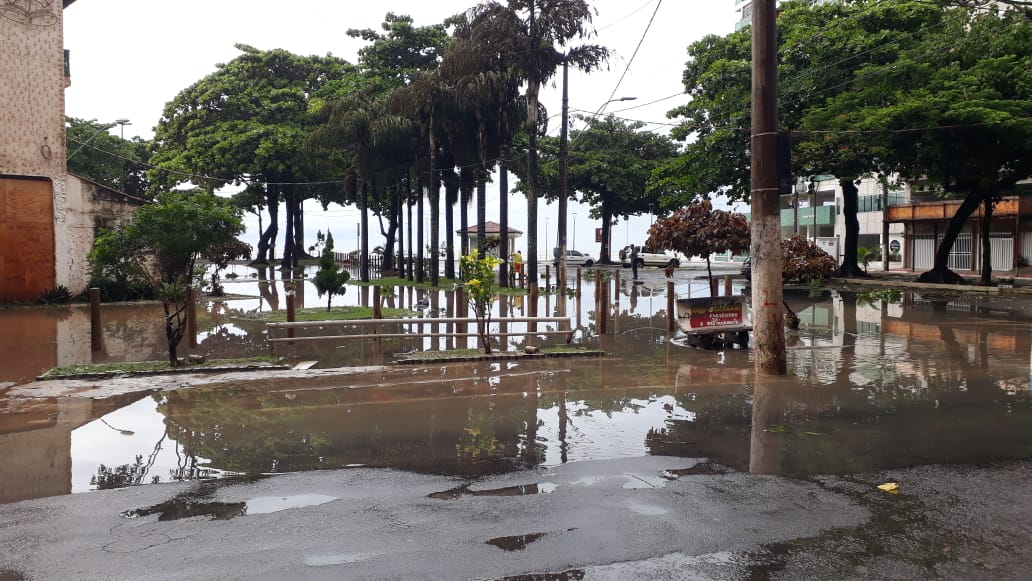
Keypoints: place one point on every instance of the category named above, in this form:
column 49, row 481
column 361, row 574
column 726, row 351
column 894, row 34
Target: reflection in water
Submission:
column 870, row 387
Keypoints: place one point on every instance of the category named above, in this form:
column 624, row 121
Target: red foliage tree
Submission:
column 699, row 230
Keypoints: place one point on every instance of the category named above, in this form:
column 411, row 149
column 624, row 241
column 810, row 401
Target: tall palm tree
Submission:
column 531, row 33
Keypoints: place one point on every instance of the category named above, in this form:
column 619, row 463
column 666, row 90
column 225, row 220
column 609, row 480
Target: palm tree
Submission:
column 360, row 123
column 530, row 33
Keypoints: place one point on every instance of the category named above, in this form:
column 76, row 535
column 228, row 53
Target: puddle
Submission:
column 196, row 502
column 637, row 481
column 519, row 490
column 515, row 542
column 270, row 504
column 869, row 388
column 702, row 468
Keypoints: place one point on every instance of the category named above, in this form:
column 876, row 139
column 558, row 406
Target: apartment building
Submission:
column 744, row 10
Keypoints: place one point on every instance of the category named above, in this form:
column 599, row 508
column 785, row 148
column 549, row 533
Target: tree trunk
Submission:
column 289, row 260
column 299, row 229
column 850, row 268
column 503, row 220
column 987, row 255
column 605, row 255
column 363, row 251
column 940, row 272
column 466, row 187
column 400, row 211
column 420, row 235
column 451, row 189
column 389, row 237
column 267, row 242
column 435, row 229
column 482, row 214
column 409, row 263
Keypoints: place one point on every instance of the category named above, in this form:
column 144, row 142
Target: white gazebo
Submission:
column 492, row 230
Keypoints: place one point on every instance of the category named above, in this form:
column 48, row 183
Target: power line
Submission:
column 636, row 49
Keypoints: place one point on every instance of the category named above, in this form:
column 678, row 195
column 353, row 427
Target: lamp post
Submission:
column 564, row 163
column 575, row 230
column 546, row 233
column 122, row 123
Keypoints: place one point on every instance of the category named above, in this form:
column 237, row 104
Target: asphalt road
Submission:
column 618, row 519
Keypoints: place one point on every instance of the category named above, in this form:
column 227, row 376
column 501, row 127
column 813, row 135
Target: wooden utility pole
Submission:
column 765, row 250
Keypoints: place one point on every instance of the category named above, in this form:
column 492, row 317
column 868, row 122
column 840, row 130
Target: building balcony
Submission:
column 945, row 209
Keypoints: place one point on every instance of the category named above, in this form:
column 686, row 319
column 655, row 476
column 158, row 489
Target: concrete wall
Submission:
column 86, row 206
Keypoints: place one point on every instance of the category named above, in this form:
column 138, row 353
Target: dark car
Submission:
column 747, row 268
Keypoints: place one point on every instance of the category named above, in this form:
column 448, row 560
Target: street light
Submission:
column 122, row 123
column 564, row 164
column 546, row 233
column 575, row 230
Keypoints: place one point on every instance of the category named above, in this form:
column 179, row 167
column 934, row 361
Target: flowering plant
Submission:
column 477, row 276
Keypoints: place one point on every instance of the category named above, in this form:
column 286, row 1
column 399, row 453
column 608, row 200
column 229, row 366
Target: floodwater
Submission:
column 870, row 387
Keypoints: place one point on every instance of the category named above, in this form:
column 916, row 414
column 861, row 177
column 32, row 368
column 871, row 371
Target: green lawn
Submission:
column 148, row 366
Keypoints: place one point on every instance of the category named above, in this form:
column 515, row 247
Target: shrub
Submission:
column 58, row 295
column 804, row 261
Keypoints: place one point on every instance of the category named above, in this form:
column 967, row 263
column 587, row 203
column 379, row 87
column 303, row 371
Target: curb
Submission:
column 500, row 357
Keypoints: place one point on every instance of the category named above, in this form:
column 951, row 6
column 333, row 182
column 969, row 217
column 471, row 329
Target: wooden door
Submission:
column 26, row 238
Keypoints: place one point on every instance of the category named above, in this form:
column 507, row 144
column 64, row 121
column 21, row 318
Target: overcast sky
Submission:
column 130, row 57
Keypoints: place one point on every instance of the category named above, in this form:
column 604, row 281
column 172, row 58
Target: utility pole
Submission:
column 564, row 165
column 767, row 289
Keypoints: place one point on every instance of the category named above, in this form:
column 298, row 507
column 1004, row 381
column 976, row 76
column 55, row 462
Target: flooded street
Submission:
column 872, row 388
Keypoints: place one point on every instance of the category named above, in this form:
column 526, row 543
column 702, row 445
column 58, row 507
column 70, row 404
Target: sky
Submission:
column 130, row 57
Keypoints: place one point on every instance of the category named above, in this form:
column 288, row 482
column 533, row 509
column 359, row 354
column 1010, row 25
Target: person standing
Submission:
column 634, row 262
column 517, row 267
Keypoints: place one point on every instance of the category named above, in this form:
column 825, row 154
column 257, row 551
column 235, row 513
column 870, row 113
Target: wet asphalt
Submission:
column 644, row 518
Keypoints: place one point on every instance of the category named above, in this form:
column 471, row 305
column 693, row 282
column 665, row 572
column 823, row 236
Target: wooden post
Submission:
column 714, row 286
column 727, row 285
column 96, row 330
column 532, row 307
column 671, row 307
column 291, row 314
column 578, row 284
column 377, row 309
column 548, row 277
column 191, row 316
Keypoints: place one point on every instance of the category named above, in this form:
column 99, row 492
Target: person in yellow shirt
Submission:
column 517, row 265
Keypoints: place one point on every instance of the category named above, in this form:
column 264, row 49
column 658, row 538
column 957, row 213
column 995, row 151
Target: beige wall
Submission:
column 84, row 206
column 32, row 126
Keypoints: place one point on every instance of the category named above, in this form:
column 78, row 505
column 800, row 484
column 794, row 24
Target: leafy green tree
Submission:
column 247, row 123
column 111, row 161
column 533, row 35
column 610, row 163
column 950, row 114
column 330, row 280
column 163, row 242
column 700, row 230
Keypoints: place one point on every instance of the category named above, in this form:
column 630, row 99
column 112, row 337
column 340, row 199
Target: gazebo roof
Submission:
column 490, row 228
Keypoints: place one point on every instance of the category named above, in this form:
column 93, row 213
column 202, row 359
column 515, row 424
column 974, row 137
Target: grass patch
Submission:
column 152, row 366
column 393, row 281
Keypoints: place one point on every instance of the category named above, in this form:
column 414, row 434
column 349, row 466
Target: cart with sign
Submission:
column 715, row 321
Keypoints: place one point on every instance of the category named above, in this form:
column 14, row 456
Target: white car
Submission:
column 648, row 258
column 576, row 258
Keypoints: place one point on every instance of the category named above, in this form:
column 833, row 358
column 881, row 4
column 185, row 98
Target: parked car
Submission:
column 647, row 258
column 576, row 258
column 747, row 268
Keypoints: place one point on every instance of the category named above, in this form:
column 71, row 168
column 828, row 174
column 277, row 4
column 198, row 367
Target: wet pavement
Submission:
column 656, row 461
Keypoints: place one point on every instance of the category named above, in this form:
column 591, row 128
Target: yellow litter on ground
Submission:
column 890, row 487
